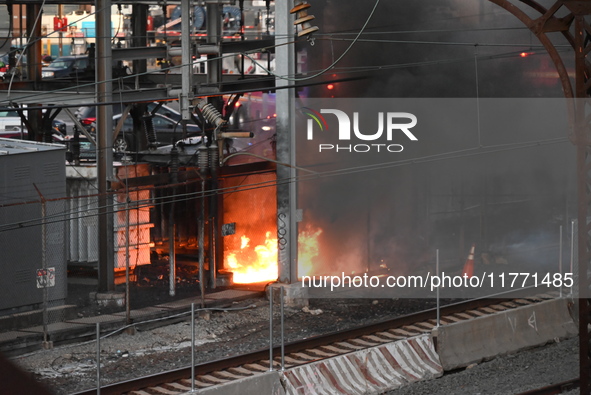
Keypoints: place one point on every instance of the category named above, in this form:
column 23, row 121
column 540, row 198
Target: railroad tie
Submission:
column 198, row 383
column 375, row 339
column 336, row 349
column 303, row 356
column 179, row 386
column 256, row 366
column 364, row 343
column 240, row 371
column 213, row 379
column 228, row 375
column 389, row 335
column 160, row 390
column 349, row 346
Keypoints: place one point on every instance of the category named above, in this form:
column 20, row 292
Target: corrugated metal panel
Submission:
column 24, row 166
column 369, row 371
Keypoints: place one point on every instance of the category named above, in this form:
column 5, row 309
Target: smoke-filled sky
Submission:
column 428, row 48
column 400, row 215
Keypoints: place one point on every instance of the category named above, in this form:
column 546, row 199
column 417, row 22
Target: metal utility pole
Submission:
column 139, row 22
column 187, row 66
column 34, row 44
column 214, row 37
column 60, row 14
column 104, row 89
column 286, row 186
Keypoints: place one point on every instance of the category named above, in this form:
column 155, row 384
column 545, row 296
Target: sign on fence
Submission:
column 46, row 277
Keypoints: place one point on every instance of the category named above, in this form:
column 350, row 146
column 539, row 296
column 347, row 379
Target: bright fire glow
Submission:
column 308, row 250
column 251, row 265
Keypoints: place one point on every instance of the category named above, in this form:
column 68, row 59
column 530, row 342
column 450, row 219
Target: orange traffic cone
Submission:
column 469, row 265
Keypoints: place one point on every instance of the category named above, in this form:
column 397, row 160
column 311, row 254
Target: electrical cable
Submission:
column 469, row 152
column 327, row 68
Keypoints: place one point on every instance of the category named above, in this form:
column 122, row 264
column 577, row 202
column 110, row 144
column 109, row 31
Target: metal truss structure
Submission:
column 569, row 19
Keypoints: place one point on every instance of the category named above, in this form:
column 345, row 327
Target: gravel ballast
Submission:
column 244, row 327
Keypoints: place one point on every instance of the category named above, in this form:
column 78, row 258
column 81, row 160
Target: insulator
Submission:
column 303, row 19
column 149, row 128
column 210, row 113
column 203, row 158
column 213, row 156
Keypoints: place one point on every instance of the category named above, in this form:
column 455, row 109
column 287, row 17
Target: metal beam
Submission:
column 286, row 186
column 104, row 94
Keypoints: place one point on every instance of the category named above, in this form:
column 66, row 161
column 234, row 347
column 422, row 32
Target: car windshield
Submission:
column 8, row 114
column 60, row 64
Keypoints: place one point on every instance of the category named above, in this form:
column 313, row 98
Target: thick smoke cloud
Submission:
column 416, row 45
column 510, row 203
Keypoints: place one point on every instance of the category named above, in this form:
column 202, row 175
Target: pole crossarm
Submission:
column 569, row 19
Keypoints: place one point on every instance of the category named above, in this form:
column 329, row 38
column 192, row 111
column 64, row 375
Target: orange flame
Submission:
column 252, row 265
column 308, row 250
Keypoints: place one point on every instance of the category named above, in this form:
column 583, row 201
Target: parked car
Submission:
column 167, row 131
column 68, row 67
column 164, row 122
column 78, row 67
column 4, row 65
column 12, row 126
column 87, row 115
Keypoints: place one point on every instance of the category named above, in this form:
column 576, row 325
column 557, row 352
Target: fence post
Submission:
column 192, row 347
column 270, row 329
column 282, row 333
column 438, row 301
column 98, row 358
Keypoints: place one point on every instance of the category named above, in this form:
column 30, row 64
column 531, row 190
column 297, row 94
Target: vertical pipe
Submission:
column 127, row 301
column 572, row 246
column 201, row 242
column 282, row 330
column 192, row 347
column 171, row 253
column 139, row 20
column 214, row 33
column 560, row 259
column 271, row 328
column 186, row 68
column 60, row 13
column 104, row 94
column 285, row 145
column 33, row 27
column 44, row 266
column 438, row 301
column 98, row 358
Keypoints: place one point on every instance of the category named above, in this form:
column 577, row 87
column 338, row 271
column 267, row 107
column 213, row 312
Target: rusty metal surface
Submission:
column 574, row 27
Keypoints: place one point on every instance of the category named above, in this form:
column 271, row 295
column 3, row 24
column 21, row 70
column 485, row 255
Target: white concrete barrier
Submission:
column 463, row 343
column 370, row 371
column 258, row 384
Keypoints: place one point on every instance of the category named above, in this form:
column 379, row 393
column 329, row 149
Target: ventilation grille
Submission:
column 51, row 169
column 22, row 172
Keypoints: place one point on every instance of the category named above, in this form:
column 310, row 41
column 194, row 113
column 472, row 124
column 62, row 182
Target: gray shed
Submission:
column 32, row 250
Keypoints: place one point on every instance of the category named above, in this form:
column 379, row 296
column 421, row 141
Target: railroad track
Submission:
column 313, row 349
column 554, row 389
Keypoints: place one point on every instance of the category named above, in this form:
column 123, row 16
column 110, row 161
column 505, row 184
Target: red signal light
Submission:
column 330, row 87
column 525, row 54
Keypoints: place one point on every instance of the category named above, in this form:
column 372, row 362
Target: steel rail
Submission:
column 301, row 345
column 554, row 389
